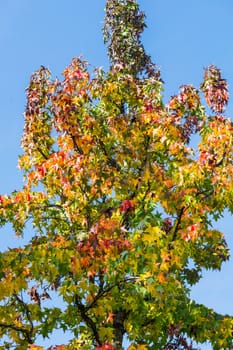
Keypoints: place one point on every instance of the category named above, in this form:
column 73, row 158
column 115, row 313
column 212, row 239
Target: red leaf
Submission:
column 126, row 205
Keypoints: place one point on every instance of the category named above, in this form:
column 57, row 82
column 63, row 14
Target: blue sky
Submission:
column 182, row 37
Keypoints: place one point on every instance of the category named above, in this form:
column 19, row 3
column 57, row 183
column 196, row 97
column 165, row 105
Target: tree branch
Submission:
column 39, row 149
column 111, row 161
column 76, row 146
column 27, row 312
column 178, row 222
column 83, row 312
column 26, row 332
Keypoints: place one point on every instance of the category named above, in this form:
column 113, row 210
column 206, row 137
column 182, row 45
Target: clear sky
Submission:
column 182, row 37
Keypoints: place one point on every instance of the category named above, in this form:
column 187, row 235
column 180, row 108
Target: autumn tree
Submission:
column 121, row 207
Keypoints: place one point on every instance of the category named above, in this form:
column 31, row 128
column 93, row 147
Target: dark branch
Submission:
column 40, row 150
column 76, row 146
column 177, row 224
column 24, row 331
column 87, row 319
column 27, row 313
column 111, row 161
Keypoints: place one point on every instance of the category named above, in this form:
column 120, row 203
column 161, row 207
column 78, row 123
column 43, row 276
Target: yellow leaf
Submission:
column 142, row 347
column 137, row 347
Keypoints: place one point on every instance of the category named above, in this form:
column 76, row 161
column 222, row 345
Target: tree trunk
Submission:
column 119, row 329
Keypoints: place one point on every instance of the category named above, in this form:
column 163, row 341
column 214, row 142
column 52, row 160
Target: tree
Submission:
column 121, row 207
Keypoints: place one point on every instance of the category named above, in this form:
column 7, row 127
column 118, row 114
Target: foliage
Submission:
column 121, row 207
column 123, row 26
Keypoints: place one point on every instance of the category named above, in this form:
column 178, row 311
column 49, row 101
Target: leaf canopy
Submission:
column 121, row 206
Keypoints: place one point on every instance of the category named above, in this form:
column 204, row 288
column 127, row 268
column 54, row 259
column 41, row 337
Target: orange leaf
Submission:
column 161, row 277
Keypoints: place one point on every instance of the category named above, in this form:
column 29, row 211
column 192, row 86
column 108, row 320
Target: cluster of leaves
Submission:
column 215, row 89
column 124, row 24
column 121, row 209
